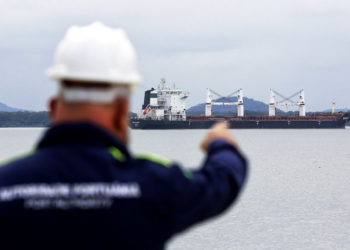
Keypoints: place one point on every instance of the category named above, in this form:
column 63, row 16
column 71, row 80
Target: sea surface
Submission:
column 297, row 195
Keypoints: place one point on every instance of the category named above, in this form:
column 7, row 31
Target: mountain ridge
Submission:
column 6, row 108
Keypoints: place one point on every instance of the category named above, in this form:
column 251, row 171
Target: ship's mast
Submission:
column 162, row 83
column 333, row 107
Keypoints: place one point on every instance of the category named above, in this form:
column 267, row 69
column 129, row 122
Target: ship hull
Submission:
column 241, row 124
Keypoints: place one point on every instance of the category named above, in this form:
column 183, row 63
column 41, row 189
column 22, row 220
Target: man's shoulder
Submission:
column 160, row 167
column 16, row 160
column 151, row 159
column 21, row 168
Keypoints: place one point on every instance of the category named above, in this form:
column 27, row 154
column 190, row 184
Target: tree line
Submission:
column 24, row 119
column 27, row 119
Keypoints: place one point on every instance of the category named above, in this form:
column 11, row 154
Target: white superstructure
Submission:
column 165, row 103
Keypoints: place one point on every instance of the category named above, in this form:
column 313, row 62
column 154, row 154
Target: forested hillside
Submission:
column 24, row 119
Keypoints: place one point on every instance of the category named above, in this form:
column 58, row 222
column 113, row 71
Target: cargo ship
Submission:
column 165, row 108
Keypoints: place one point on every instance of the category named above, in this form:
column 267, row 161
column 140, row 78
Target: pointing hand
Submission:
column 218, row 131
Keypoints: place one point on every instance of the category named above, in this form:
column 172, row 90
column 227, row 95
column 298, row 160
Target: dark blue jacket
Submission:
column 81, row 188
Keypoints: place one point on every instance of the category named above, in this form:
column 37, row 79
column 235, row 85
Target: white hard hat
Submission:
column 96, row 53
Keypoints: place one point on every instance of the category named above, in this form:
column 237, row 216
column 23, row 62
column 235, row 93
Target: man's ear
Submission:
column 53, row 108
column 121, row 118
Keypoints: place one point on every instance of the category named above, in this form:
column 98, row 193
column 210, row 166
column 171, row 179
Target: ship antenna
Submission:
column 162, row 82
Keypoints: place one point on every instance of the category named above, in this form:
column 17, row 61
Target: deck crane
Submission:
column 210, row 102
column 287, row 101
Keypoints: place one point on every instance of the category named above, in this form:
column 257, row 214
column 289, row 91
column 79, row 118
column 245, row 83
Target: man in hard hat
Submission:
column 81, row 188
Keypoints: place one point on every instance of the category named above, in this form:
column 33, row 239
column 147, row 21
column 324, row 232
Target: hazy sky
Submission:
column 225, row 45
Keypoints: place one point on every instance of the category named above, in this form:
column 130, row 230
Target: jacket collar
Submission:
column 78, row 134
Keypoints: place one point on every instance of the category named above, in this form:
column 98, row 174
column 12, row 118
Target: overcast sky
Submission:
column 225, row 45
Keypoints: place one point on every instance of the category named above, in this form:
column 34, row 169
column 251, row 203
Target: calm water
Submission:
column 297, row 197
